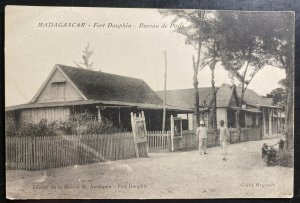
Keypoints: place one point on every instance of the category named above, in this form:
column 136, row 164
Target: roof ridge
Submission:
column 100, row 72
column 187, row 89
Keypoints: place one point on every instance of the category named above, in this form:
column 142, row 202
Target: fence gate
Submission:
column 176, row 130
column 139, row 134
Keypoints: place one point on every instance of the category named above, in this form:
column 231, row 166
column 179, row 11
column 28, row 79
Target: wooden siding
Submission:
column 50, row 94
column 51, row 114
column 222, row 115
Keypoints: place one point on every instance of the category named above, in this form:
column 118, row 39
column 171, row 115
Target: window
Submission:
column 59, row 90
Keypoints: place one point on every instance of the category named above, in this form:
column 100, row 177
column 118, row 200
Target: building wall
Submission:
column 252, row 119
column 50, row 113
column 248, row 119
column 222, row 115
column 191, row 120
column 50, row 92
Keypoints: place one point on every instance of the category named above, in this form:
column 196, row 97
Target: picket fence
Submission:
column 38, row 153
column 190, row 140
column 247, row 134
column 158, row 141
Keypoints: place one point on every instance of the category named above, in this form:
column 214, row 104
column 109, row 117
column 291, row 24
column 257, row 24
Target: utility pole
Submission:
column 165, row 96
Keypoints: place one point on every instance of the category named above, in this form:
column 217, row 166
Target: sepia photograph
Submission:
column 136, row 103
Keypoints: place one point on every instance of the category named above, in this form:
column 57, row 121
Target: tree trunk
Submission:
column 214, row 99
column 237, row 124
column 196, row 94
column 237, row 114
column 289, row 117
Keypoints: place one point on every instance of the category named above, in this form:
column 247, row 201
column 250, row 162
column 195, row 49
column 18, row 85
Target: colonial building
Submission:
column 69, row 90
column 272, row 117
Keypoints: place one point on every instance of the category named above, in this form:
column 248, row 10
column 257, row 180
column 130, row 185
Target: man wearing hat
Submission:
column 202, row 134
column 224, row 137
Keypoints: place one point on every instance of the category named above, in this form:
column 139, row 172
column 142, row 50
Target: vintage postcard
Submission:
column 119, row 103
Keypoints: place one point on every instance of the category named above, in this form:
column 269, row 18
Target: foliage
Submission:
column 194, row 20
column 86, row 59
column 283, row 83
column 285, row 158
column 198, row 32
column 10, row 126
column 32, row 129
column 278, row 96
column 77, row 124
column 242, row 45
column 40, row 129
column 86, row 123
column 281, row 45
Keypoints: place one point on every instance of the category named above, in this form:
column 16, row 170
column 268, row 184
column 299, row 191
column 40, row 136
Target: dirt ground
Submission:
column 163, row 175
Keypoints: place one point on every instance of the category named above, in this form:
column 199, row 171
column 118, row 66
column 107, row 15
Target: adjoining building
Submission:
column 256, row 111
column 69, row 90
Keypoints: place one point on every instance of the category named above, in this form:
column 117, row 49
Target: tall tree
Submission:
column 281, row 45
column 86, row 58
column 211, row 56
column 242, row 49
column 195, row 20
column 278, row 95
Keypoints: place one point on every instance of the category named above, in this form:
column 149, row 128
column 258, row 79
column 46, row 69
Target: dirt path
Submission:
column 164, row 175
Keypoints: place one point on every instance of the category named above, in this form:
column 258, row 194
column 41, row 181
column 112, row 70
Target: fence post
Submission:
column 172, row 134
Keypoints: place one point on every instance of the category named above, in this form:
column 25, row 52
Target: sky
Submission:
column 31, row 51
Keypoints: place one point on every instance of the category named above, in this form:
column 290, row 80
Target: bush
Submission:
column 104, row 127
column 85, row 123
column 32, row 129
column 10, row 126
column 77, row 124
column 40, row 129
column 285, row 158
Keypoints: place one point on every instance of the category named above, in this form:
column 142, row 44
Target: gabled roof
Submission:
column 185, row 97
column 252, row 98
column 96, row 85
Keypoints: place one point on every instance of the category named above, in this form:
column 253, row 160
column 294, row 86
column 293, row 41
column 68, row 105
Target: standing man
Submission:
column 224, row 138
column 202, row 134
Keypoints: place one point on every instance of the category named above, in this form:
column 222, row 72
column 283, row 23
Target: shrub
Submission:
column 76, row 124
column 85, row 123
column 285, row 158
column 32, row 129
column 40, row 129
column 10, row 126
column 104, row 127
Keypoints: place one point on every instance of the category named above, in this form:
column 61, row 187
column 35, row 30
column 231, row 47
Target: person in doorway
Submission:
column 224, row 138
column 202, row 134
